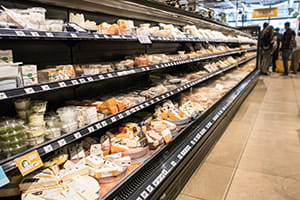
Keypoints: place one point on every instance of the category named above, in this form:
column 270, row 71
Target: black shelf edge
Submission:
column 24, row 34
column 54, row 144
column 46, row 87
column 163, row 170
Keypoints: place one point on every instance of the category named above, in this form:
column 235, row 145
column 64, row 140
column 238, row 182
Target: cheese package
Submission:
column 47, row 75
column 69, row 165
column 29, row 183
column 155, row 135
column 105, row 172
column 113, row 156
column 82, row 190
column 94, row 161
column 116, row 148
column 93, row 184
column 167, row 135
column 96, row 149
column 124, row 161
column 28, row 74
column 112, row 165
column 81, row 170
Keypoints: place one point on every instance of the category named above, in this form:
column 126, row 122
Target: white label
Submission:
column 104, row 123
column 127, row 112
column 113, row 119
column 29, row 90
column 45, row 87
column 82, row 80
column 35, row 34
column 173, row 163
column 144, row 39
column 74, row 82
column 109, row 75
column 77, row 135
column 48, row 148
column 149, row 188
column 98, row 126
column 62, row 84
column 20, row 33
column 101, row 77
column 141, row 106
column 3, row 95
column 157, row 66
column 61, row 142
column 120, row 116
column 116, row 36
column 147, row 68
column 90, row 79
column 144, row 194
column 73, row 35
column 91, row 129
column 49, row 34
column 96, row 36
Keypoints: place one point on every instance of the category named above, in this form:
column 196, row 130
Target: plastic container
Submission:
column 15, row 150
column 54, row 24
column 67, row 114
column 10, row 126
column 52, row 133
column 12, row 135
column 37, row 15
column 22, row 104
column 36, row 119
column 13, row 142
column 35, row 132
column 36, row 140
column 53, row 121
column 39, row 106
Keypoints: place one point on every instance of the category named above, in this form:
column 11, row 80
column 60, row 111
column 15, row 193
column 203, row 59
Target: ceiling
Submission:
column 230, row 3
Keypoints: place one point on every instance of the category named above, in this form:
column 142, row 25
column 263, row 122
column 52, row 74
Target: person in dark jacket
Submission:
column 276, row 51
column 267, row 49
column 286, row 48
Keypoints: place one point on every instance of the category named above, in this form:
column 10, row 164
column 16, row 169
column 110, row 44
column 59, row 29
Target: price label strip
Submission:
column 29, row 162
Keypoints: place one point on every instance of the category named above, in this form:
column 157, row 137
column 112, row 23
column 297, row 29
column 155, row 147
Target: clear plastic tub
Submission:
column 52, row 133
column 22, row 104
column 54, row 24
column 35, row 131
column 39, row 106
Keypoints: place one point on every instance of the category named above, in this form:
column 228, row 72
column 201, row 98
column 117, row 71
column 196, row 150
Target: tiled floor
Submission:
column 258, row 156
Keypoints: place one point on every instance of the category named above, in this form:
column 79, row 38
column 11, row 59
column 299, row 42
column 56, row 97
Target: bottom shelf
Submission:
column 167, row 175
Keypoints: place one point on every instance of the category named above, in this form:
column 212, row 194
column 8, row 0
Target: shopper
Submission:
column 267, row 48
column 278, row 38
column 296, row 56
column 287, row 45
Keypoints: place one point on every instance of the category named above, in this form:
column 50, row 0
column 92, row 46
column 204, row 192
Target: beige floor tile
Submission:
column 237, row 132
column 286, row 141
column 209, row 182
column 281, row 117
column 226, row 153
column 282, row 107
column 248, row 185
column 270, row 159
column 186, row 197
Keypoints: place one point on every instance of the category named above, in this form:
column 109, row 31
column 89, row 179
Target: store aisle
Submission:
column 258, row 156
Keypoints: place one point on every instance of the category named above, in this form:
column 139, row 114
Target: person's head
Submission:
column 265, row 25
column 277, row 30
column 287, row 25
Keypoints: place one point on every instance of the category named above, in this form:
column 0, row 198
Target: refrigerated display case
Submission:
column 82, row 87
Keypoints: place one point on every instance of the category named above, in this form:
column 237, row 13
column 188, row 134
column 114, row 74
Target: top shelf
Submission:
column 21, row 34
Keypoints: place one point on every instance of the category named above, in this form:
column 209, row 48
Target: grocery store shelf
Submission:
column 155, row 179
column 25, row 34
column 46, row 87
column 52, row 145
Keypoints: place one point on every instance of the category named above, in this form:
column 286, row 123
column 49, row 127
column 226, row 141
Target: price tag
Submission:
column 61, row 142
column 113, row 119
column 116, row 36
column 3, row 95
column 77, row 135
column 120, row 116
column 82, row 80
column 73, row 35
column 20, row 33
column 91, row 129
column 35, row 34
column 29, row 90
column 139, row 198
column 101, row 77
column 98, row 126
column 3, row 178
column 45, row 87
column 104, row 123
column 149, row 188
column 90, row 79
column 48, row 148
column 127, row 113
column 96, row 36
column 109, row 75
column 74, row 82
column 29, row 162
column 173, row 163
column 144, row 39
column 49, row 34
column 62, row 84
column 141, row 106
column 156, row 66
column 144, row 194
